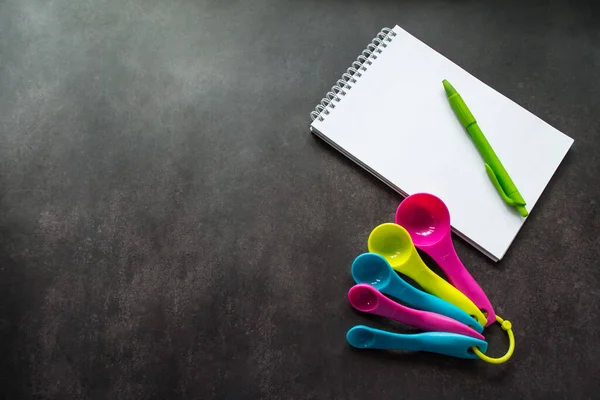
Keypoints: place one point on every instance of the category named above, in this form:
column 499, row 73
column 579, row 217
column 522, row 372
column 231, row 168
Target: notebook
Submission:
column 389, row 113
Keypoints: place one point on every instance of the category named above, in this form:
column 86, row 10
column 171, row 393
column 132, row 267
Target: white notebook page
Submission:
column 396, row 122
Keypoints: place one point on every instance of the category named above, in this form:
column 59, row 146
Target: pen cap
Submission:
column 462, row 111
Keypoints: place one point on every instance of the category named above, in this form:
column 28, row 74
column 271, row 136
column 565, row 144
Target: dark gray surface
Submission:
column 169, row 228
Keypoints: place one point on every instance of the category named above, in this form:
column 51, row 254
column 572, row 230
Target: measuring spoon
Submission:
column 427, row 220
column 394, row 243
column 373, row 269
column 450, row 344
column 367, row 299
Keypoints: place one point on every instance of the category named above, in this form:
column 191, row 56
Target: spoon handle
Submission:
column 437, row 286
column 450, row 344
column 424, row 320
column 445, row 256
column 414, row 297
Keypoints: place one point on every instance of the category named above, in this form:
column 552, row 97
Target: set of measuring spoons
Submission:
column 453, row 315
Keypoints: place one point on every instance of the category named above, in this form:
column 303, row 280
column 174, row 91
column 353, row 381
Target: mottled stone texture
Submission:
column 169, row 228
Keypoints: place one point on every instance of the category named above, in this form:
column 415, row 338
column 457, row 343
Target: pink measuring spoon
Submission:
column 427, row 220
column 367, row 299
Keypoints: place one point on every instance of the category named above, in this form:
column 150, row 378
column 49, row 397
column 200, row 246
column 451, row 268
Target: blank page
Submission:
column 396, row 122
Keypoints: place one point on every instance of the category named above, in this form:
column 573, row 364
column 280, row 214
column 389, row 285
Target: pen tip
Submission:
column 448, row 88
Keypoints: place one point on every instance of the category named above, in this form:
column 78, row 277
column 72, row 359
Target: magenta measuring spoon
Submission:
column 367, row 299
column 427, row 220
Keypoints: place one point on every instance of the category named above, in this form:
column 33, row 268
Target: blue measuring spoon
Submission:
column 374, row 270
column 450, row 344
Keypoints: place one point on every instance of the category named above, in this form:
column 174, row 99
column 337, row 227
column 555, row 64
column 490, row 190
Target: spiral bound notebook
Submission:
column 389, row 113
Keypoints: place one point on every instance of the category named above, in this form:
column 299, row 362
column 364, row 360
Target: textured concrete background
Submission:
column 169, row 228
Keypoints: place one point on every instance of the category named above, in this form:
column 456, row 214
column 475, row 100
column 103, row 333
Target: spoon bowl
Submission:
column 372, row 269
column 392, row 242
column 425, row 217
column 361, row 337
column 363, row 298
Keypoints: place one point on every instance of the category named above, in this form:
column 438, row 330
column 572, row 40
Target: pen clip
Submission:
column 519, row 205
column 498, row 187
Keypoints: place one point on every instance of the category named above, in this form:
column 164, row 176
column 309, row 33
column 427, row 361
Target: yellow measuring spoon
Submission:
column 393, row 242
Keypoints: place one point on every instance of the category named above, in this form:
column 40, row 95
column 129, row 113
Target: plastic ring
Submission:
column 506, row 326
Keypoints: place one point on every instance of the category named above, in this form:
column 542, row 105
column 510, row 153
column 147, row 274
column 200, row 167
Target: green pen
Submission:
column 494, row 168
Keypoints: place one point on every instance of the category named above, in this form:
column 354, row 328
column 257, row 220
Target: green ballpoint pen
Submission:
column 494, row 168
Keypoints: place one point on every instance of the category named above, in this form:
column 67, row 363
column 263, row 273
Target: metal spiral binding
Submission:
column 355, row 71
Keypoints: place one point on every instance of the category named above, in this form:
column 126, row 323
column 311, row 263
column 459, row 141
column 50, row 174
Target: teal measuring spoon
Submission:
column 450, row 344
column 373, row 269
